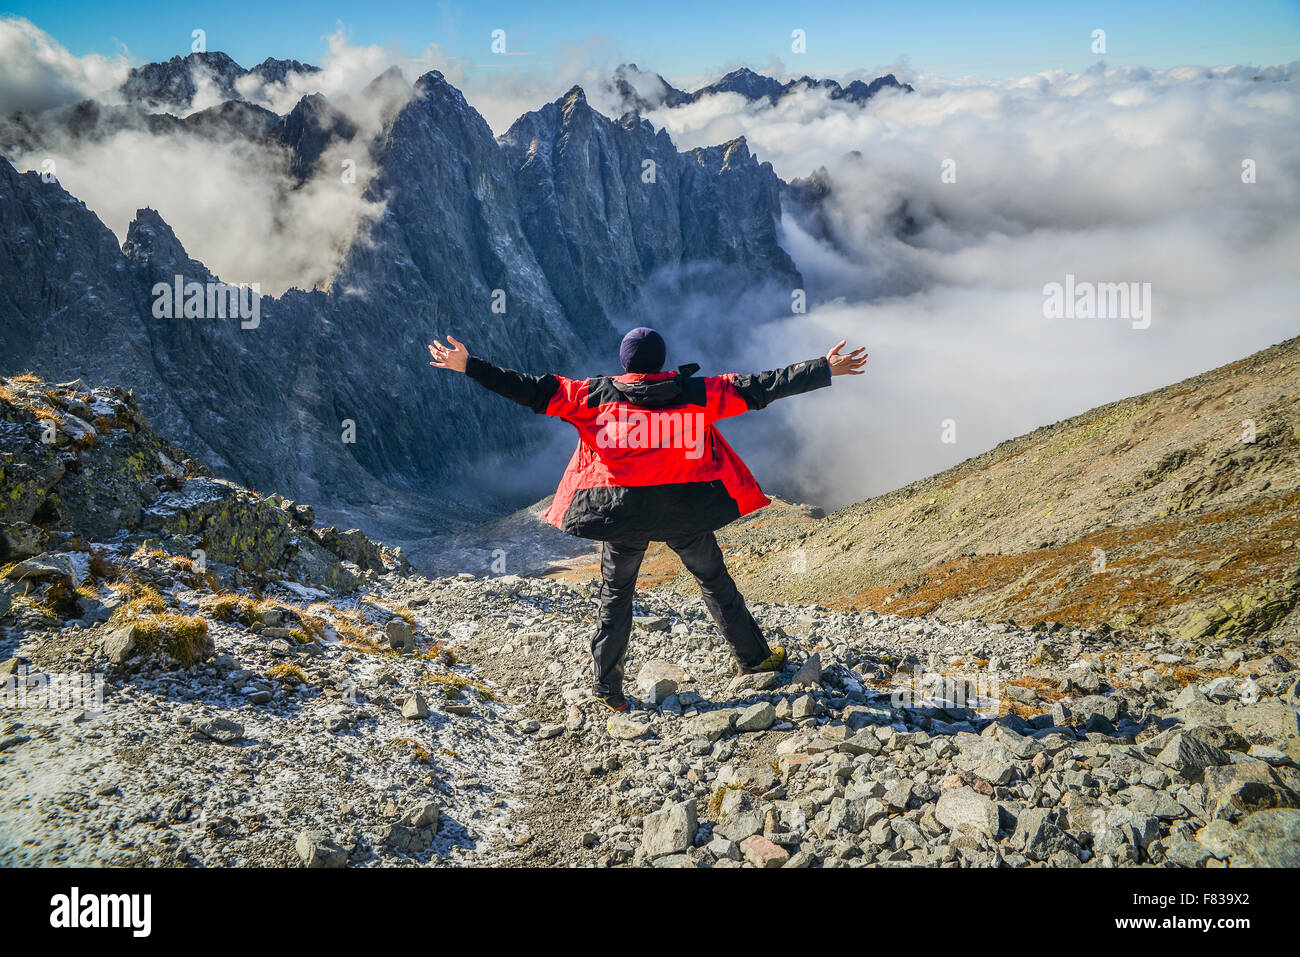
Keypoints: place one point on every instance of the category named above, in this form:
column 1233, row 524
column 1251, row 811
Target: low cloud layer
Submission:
column 1109, row 176
column 234, row 203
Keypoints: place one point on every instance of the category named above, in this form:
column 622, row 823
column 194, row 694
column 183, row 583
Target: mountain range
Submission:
column 642, row 90
column 555, row 217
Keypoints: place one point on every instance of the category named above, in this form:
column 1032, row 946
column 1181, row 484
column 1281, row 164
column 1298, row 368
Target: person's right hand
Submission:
column 454, row 359
column 849, row 364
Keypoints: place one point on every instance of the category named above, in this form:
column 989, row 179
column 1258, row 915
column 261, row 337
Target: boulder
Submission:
column 670, row 830
column 315, row 849
column 761, row 852
column 45, row 567
column 19, row 540
column 400, row 636
column 965, row 809
column 758, row 717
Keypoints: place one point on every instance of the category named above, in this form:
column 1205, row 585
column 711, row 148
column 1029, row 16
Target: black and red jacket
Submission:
column 650, row 465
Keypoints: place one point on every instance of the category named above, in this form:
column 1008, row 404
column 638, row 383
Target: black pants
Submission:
column 619, row 564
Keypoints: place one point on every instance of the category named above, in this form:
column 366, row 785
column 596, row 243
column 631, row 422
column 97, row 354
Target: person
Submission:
column 651, row 466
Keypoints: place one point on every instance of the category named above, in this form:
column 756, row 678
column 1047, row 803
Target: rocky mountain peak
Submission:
column 151, row 243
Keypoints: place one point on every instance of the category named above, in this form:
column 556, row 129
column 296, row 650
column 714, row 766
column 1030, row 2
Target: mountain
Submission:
column 580, row 175
column 641, row 91
column 556, row 215
column 174, row 84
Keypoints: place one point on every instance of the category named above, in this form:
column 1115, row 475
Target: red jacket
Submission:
column 650, row 464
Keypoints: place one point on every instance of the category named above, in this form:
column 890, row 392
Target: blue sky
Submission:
column 689, row 38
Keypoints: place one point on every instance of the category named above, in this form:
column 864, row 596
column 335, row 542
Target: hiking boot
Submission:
column 773, row 662
column 614, row 702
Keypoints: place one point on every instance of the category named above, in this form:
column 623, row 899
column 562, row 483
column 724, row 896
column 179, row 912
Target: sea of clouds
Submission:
column 1111, row 175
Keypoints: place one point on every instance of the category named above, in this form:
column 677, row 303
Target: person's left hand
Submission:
column 850, row 363
column 455, row 358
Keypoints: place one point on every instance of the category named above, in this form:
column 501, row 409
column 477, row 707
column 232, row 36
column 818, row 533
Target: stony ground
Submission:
column 886, row 741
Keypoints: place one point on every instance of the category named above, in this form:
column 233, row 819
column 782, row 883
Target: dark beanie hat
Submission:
column 643, row 350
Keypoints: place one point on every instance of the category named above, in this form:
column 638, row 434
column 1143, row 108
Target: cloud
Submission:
column 236, row 207
column 40, row 73
column 1110, row 175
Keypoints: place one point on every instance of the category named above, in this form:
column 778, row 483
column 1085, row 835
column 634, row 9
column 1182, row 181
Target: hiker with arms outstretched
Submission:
column 651, row 466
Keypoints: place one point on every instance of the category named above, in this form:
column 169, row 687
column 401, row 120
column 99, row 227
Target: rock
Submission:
column 759, row 682
column 18, row 540
column 45, row 568
column 711, row 725
column 316, row 850
column 1264, row 839
column 854, row 814
column 658, row 692
column 810, row 672
column 339, row 720
column 669, row 831
column 651, row 623
column 723, row 849
column 758, row 717
column 626, row 728
column 1187, row 854
column 219, row 729
column 761, row 852
column 1021, row 694
column 801, row 859
column 1270, row 722
column 1082, row 677
column 415, row 707
column 351, row 546
column 963, row 808
column 1040, row 836
column 658, row 670
column 1235, row 790
column 119, row 644
column 421, row 814
column 400, row 636
column 1190, row 756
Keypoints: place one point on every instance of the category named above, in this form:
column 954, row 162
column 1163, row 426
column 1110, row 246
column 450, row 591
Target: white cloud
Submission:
column 1115, row 176
column 40, row 73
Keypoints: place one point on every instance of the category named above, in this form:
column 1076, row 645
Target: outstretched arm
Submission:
column 762, row 388
column 532, row 391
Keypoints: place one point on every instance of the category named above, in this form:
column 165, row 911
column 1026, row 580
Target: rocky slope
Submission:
column 463, row 216
column 276, row 693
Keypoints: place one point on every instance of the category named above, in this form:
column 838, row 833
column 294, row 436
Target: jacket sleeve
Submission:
column 761, row 388
column 533, row 391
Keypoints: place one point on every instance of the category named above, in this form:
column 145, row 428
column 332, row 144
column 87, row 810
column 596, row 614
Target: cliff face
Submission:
column 582, row 175
column 554, row 222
